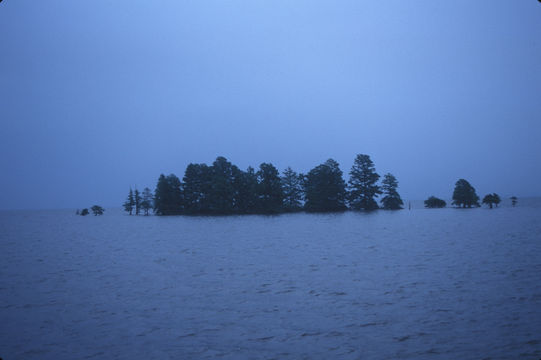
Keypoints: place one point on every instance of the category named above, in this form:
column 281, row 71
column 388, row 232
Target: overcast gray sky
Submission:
column 98, row 96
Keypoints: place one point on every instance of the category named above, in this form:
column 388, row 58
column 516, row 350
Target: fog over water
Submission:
column 419, row 284
column 99, row 96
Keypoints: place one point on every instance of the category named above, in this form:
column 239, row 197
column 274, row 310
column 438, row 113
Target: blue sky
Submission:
column 99, row 96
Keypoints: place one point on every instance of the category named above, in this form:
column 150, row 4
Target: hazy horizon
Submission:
column 99, row 97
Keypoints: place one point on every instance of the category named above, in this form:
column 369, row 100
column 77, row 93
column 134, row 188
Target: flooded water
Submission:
column 418, row 284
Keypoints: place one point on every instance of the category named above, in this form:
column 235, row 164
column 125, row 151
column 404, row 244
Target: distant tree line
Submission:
column 222, row 188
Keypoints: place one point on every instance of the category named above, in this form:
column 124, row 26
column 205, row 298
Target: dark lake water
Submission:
column 411, row 284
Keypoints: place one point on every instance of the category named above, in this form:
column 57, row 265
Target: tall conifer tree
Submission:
column 391, row 199
column 362, row 184
column 292, row 188
column 137, row 201
column 269, row 189
column 168, row 195
column 146, row 204
column 129, row 203
column 325, row 189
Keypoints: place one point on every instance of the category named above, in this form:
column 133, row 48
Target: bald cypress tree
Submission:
column 168, row 196
column 246, row 191
column 363, row 188
column 129, row 203
column 464, row 195
column 269, row 189
column 391, row 199
column 292, row 187
column 221, row 190
column 197, row 184
column 324, row 188
column 137, row 201
column 146, row 204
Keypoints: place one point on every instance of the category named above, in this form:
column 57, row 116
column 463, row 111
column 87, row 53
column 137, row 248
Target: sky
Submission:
column 100, row 96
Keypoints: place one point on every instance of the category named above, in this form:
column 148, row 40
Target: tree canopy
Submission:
column 168, row 196
column 137, row 200
column 222, row 188
column 129, row 203
column 362, row 184
column 97, row 210
column 324, row 188
column 292, row 188
column 464, row 195
column 147, row 202
column 491, row 199
column 434, row 202
column 269, row 189
column 391, row 199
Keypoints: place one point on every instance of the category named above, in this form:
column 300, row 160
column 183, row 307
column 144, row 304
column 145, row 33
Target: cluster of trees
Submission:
column 464, row 196
column 492, row 199
column 96, row 210
column 137, row 201
column 223, row 188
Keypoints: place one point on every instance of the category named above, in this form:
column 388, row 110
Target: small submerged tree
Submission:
column 464, row 195
column 84, row 212
column 362, row 184
column 492, row 199
column 129, row 203
column 146, row 203
column 391, row 199
column 97, row 210
column 514, row 200
column 137, row 201
column 433, row 202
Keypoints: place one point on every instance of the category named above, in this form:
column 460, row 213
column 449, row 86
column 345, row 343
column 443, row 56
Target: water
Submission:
column 419, row 284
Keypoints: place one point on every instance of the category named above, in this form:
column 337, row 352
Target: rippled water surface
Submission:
column 417, row 284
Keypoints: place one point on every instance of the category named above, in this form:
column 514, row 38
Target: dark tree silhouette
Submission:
column 464, row 195
column 514, row 199
column 491, row 199
column 434, row 202
column 246, row 187
column 197, row 184
column 269, row 189
column 362, row 184
column 129, row 203
column 146, row 203
column 97, row 210
column 84, row 212
column 137, row 201
column 391, row 199
column 168, row 196
column 497, row 199
column 325, row 189
column 292, row 187
column 222, row 191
